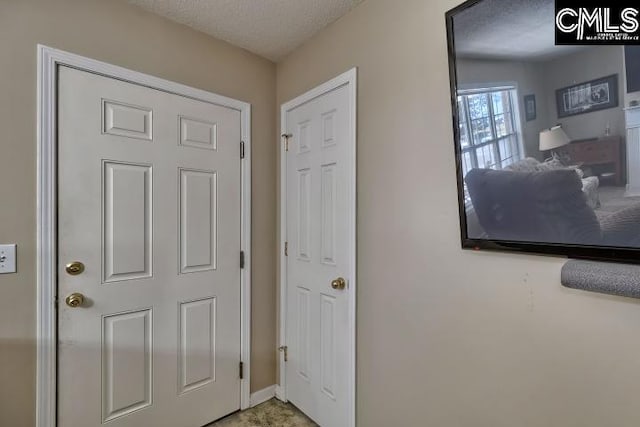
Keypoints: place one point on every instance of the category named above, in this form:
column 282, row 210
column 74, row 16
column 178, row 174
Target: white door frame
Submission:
column 349, row 79
column 48, row 61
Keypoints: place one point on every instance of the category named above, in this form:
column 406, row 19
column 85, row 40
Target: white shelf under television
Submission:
column 632, row 118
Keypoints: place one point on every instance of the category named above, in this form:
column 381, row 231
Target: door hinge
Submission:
column 241, row 368
column 286, row 137
column 286, row 248
column 241, row 259
column 284, row 349
column 242, row 149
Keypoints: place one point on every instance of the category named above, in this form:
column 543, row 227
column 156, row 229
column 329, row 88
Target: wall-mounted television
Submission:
column 542, row 160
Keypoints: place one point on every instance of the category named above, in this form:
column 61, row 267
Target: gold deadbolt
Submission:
column 74, row 300
column 339, row 283
column 74, row 268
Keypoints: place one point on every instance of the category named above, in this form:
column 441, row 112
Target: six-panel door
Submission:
column 318, row 253
column 149, row 202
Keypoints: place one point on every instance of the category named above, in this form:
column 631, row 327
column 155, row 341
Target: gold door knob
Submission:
column 74, row 268
column 74, row 300
column 338, row 283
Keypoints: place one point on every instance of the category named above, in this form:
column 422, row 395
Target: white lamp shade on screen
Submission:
column 553, row 138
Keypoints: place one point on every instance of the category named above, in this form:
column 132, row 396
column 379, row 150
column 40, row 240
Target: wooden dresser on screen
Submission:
column 603, row 151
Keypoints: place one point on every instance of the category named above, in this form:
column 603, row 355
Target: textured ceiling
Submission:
column 509, row 29
column 269, row 28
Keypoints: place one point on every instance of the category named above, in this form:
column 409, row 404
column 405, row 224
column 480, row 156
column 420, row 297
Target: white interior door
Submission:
column 149, row 203
column 319, row 214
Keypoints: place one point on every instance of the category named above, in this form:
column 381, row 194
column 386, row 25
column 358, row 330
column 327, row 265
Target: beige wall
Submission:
column 115, row 32
column 448, row 337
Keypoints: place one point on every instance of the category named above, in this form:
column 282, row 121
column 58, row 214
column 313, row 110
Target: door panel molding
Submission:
column 137, row 322
column 119, row 261
column 349, row 79
column 49, row 60
column 208, row 319
column 191, row 201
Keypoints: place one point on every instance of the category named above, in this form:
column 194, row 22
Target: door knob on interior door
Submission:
column 338, row 283
column 75, row 300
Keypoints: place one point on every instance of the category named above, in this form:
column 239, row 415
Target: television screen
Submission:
column 543, row 159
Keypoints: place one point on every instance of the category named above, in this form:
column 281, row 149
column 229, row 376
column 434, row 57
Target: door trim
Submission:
column 47, row 76
column 349, row 78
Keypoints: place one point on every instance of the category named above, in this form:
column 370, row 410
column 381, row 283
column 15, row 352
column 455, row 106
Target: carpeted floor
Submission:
column 612, row 199
column 272, row 413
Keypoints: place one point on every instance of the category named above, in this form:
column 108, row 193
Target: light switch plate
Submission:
column 7, row 259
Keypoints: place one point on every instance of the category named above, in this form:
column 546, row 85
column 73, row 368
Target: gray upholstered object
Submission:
column 589, row 184
column 546, row 207
column 602, row 277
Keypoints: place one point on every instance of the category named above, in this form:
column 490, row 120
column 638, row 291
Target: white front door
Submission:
column 319, row 178
column 149, row 203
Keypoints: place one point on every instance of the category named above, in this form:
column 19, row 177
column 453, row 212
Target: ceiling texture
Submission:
column 269, row 28
column 509, row 29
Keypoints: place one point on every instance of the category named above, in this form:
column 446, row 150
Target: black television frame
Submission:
column 599, row 253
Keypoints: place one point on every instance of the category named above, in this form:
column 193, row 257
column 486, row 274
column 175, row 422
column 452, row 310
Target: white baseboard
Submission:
column 263, row 395
column 280, row 393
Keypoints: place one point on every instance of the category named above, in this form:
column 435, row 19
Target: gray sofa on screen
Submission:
column 590, row 184
column 546, row 206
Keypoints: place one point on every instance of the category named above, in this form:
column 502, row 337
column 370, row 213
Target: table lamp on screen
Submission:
column 553, row 138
